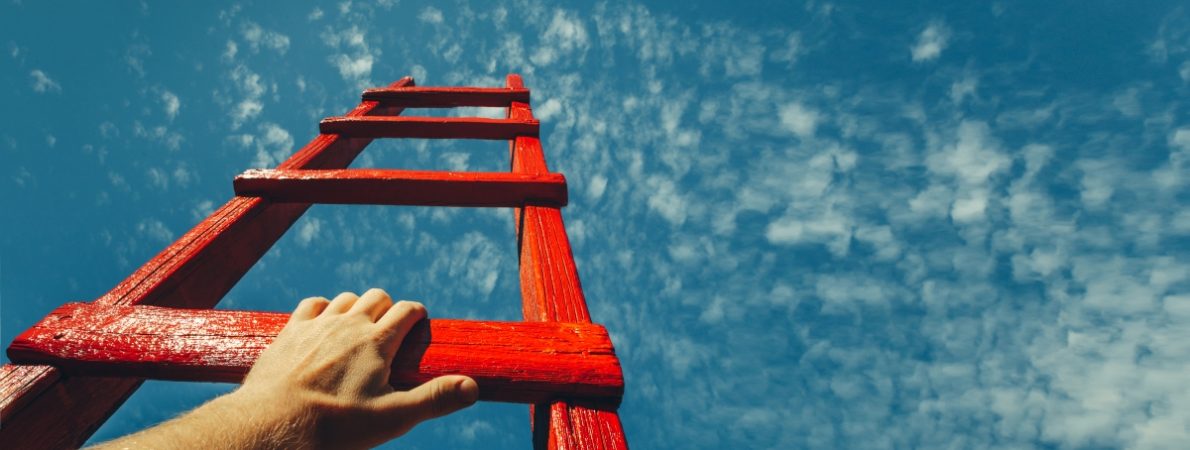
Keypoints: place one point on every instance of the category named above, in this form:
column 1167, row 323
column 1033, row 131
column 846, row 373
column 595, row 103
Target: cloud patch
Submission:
column 42, row 83
column 930, row 43
column 354, row 57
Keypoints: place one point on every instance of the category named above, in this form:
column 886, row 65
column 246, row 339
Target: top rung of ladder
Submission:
column 446, row 97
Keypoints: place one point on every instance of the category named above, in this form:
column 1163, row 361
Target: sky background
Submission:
column 806, row 225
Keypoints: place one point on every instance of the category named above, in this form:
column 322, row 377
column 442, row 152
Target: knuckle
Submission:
column 309, row 301
column 409, row 306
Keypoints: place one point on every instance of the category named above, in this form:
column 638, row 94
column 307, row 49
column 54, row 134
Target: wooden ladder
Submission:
column 74, row 368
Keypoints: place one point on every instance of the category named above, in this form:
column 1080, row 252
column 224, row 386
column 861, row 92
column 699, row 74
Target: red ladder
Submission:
column 76, row 366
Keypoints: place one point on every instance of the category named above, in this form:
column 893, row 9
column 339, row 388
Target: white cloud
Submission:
column 799, row 120
column 1099, row 180
column 1127, row 102
column 548, row 109
column 202, row 210
column 789, row 53
column 248, row 82
column 456, row 161
column 930, row 43
column 972, row 157
column 135, row 56
column 245, row 110
column 665, row 200
column 251, row 88
column 354, row 68
column 963, row 88
column 158, row 178
column 156, row 230
column 272, row 145
column 355, row 58
column 161, row 135
column 170, row 104
column 565, row 35
column 183, row 175
column 418, row 73
column 430, row 15
column 596, row 187
column 42, row 83
column 826, row 227
column 230, row 50
column 309, row 231
column 258, row 38
column 315, row 14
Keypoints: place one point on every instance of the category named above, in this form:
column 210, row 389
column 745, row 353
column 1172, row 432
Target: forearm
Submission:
column 322, row 383
column 238, row 420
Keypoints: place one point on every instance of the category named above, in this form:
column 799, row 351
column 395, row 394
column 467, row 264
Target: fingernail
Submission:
column 467, row 391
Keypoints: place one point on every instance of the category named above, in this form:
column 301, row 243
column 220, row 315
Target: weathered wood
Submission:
column 404, row 187
column 66, row 413
column 551, row 291
column 17, row 381
column 195, row 271
column 446, row 97
column 429, row 127
column 511, row 361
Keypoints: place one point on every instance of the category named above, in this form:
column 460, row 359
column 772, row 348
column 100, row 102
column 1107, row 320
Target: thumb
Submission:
column 434, row 398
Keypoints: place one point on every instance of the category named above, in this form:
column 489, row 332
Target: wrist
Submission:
column 276, row 421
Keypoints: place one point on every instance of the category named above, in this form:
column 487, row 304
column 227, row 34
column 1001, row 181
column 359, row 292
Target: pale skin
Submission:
column 323, row 383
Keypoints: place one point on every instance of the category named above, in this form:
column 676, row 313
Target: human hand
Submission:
column 328, row 369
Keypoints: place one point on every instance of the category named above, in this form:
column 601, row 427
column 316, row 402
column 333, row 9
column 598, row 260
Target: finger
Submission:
column 397, row 321
column 342, row 303
column 402, row 316
column 309, row 308
column 434, row 398
column 373, row 304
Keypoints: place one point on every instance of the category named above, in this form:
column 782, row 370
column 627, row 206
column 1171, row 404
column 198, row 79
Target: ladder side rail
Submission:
column 551, row 291
column 195, row 272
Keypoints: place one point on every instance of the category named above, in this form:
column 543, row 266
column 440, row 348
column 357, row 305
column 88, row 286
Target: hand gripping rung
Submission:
column 429, row 127
column 523, row 362
column 404, row 187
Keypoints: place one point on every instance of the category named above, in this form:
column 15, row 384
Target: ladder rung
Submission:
column 404, row 187
column 446, row 97
column 428, row 127
column 523, row 362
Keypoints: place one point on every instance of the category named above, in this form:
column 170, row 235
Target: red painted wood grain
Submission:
column 195, row 271
column 446, row 97
column 15, row 379
column 551, row 291
column 428, row 127
column 404, row 187
column 520, row 362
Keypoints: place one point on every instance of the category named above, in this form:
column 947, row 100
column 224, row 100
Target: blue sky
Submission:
column 806, row 225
